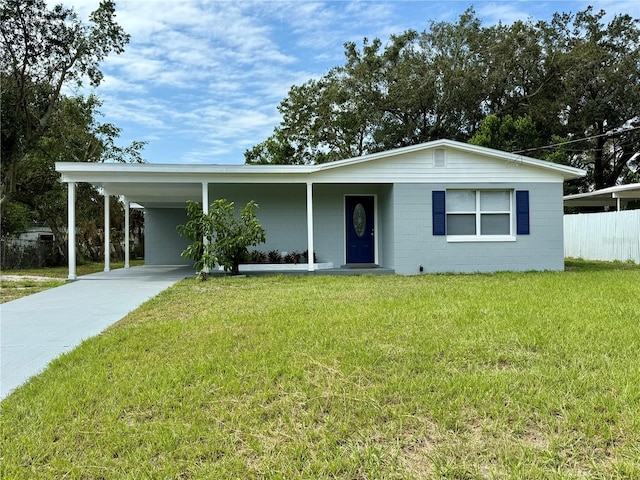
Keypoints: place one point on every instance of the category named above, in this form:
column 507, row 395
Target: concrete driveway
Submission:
column 36, row 329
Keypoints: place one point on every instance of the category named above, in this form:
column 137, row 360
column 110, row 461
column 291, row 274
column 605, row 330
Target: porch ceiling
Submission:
column 156, row 194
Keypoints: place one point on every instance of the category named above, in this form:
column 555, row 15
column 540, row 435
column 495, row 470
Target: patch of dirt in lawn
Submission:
column 416, row 459
column 22, row 278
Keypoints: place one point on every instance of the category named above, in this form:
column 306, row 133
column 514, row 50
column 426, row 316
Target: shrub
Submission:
column 291, row 258
column 256, row 256
column 305, row 257
column 227, row 235
column 274, row 256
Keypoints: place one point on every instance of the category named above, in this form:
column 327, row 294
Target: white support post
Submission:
column 126, row 234
column 107, row 239
column 71, row 229
column 205, row 210
column 205, row 197
column 310, row 266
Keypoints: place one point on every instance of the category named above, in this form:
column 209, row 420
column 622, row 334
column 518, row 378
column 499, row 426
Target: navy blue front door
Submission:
column 360, row 229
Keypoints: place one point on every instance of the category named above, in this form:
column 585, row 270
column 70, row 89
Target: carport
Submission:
column 171, row 186
column 618, row 196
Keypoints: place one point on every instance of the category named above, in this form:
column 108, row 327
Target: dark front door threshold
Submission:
column 359, row 265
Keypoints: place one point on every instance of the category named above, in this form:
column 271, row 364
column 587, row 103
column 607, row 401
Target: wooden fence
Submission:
column 603, row 236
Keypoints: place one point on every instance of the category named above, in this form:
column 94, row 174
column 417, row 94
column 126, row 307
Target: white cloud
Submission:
column 111, row 83
column 142, row 111
column 201, row 80
column 507, row 13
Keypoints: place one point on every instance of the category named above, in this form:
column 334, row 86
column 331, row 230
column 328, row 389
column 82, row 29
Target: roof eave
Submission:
column 568, row 173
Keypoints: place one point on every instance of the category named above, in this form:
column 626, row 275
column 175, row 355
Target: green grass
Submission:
column 12, row 289
column 580, row 265
column 528, row 375
column 63, row 271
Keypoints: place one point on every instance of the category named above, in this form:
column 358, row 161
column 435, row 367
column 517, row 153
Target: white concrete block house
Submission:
column 441, row 206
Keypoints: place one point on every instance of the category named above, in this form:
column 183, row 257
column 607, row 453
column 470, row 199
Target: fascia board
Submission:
column 69, row 167
column 578, row 196
column 162, row 173
column 627, row 194
column 183, row 179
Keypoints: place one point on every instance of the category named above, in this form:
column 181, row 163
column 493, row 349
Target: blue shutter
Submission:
column 439, row 212
column 522, row 212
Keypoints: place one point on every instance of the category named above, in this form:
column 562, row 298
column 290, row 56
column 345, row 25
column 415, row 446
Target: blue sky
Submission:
column 200, row 81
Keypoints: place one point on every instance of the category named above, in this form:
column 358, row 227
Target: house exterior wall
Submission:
column 414, row 243
column 162, row 243
column 404, row 227
column 282, row 212
column 386, row 236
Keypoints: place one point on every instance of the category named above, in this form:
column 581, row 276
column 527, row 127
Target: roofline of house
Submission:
column 69, row 168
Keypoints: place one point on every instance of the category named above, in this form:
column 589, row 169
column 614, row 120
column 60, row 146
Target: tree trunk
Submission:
column 598, row 164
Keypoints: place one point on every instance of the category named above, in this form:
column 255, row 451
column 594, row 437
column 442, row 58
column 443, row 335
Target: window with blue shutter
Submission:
column 438, row 201
column 522, row 212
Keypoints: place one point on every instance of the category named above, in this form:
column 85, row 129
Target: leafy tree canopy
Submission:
column 43, row 50
column 519, row 87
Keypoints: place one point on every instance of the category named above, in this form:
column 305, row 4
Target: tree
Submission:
column 506, row 133
column 601, row 96
column 220, row 236
column 417, row 88
column 330, row 118
column 524, row 86
column 42, row 51
column 73, row 135
column 275, row 150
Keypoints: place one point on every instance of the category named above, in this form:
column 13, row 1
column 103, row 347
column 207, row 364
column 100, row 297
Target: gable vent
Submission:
column 438, row 157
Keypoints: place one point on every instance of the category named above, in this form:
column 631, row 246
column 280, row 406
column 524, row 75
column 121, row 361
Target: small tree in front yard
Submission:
column 228, row 236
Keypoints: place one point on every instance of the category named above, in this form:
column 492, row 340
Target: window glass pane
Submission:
column 494, row 224
column 461, row 201
column 494, row 201
column 461, row 224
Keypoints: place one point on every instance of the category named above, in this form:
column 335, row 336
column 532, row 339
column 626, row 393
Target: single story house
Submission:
column 441, row 206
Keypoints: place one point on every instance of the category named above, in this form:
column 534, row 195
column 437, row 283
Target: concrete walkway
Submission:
column 36, row 329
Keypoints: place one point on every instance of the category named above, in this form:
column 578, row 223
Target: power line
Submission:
column 608, row 134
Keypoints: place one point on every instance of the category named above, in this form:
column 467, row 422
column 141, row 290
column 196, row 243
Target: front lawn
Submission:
column 527, row 375
column 17, row 283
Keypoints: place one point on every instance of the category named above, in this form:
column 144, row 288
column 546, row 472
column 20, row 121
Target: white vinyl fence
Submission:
column 603, row 236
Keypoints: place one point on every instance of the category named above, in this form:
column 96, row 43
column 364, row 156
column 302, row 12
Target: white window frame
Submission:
column 478, row 237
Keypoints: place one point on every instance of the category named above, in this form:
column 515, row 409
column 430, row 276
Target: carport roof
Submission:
column 606, row 197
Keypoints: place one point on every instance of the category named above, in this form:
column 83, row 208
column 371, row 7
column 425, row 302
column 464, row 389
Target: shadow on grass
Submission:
column 580, row 265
